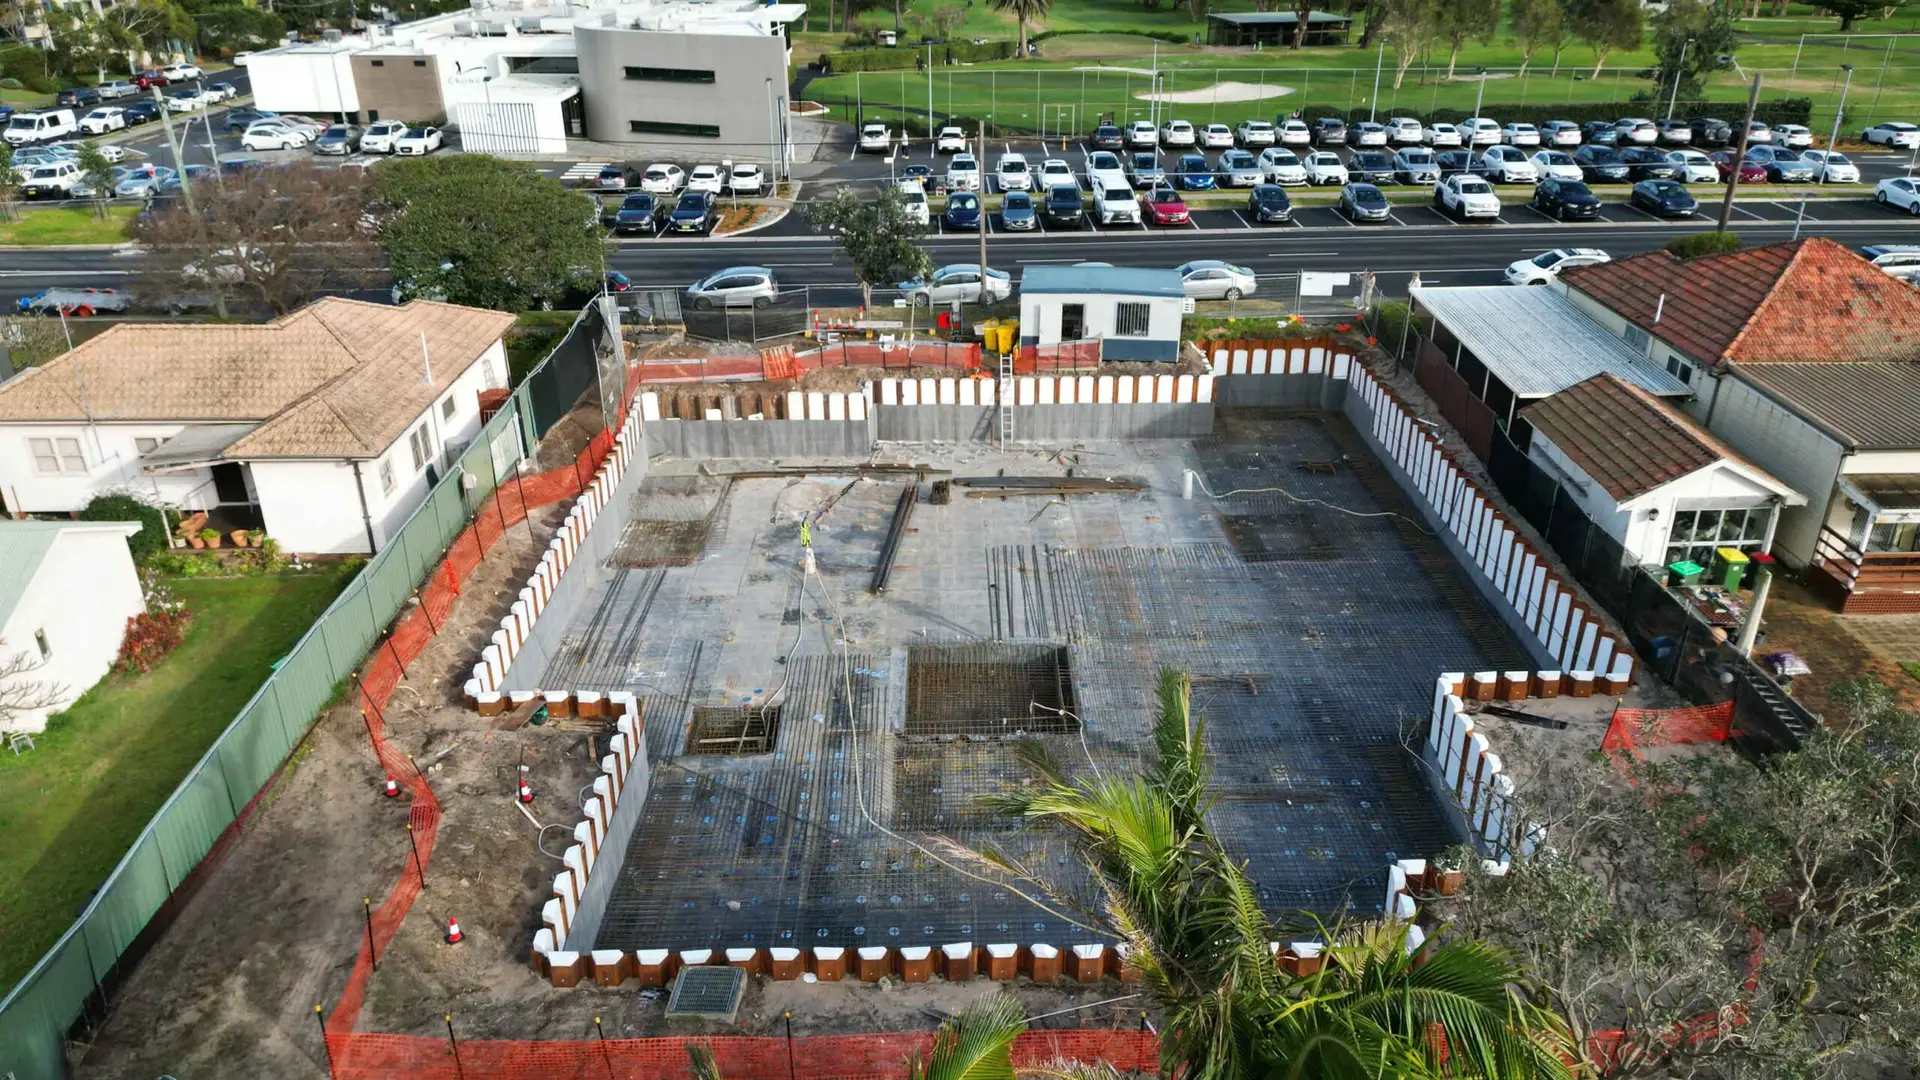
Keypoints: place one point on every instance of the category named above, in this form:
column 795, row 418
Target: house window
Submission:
column 56, row 456
column 1130, row 320
column 386, row 476
column 660, row 74
column 1696, row 533
column 446, row 409
column 1637, row 337
column 46, row 648
column 1679, row 368
column 419, row 63
column 145, row 446
column 379, row 63
column 655, row 127
column 421, row 441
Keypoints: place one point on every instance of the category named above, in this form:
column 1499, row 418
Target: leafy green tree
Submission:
column 82, row 40
column 1849, row 10
column 1462, row 21
column 238, row 28
column 1192, row 920
column 1710, row 242
column 149, row 28
column 97, row 171
column 1413, row 26
column 877, row 233
column 1732, row 921
column 1536, row 25
column 9, row 181
column 473, row 229
column 1709, row 28
column 1606, row 25
column 1023, row 12
column 977, row 1044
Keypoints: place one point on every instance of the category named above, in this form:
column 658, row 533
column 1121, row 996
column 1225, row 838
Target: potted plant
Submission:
column 239, row 537
column 195, row 540
column 256, row 538
column 211, row 537
column 1447, row 875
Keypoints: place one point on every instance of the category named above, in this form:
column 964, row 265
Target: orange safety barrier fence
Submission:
column 880, row 1056
column 1631, row 729
column 509, row 505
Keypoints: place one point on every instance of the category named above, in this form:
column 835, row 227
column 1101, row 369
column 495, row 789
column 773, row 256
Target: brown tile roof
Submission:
column 1803, row 301
column 339, row 378
column 1629, row 441
column 1865, row 406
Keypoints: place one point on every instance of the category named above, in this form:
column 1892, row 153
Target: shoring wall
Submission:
column 571, row 920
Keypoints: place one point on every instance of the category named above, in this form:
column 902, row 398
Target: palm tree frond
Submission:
column 978, row 1043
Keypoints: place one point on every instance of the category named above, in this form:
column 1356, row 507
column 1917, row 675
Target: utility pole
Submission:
column 981, row 129
column 186, row 196
column 1833, row 140
column 1674, row 98
column 1373, row 103
column 1739, row 153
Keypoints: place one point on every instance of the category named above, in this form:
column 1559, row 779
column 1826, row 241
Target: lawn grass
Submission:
column 71, row 807
column 67, row 225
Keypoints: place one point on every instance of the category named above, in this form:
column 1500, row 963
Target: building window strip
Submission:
column 663, row 74
column 659, row 127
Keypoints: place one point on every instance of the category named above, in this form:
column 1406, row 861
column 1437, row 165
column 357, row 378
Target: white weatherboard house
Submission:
column 67, row 589
column 1134, row 313
column 1650, row 477
column 325, row 427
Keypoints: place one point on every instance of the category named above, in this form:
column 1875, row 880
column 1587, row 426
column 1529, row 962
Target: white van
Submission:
column 33, row 127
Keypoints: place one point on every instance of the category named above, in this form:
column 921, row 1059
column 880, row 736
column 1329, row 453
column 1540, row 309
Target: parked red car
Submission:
column 147, row 80
column 1166, row 206
column 1750, row 172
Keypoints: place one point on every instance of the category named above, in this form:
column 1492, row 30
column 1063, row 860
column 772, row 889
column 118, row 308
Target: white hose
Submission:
column 1198, row 479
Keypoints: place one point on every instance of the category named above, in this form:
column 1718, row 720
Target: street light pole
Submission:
column 1833, row 140
column 1478, row 95
column 1674, row 98
column 1739, row 154
column 1373, row 103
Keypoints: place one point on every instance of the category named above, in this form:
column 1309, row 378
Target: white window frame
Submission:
column 69, row 457
column 447, row 408
column 420, row 442
column 386, row 476
column 1132, row 319
column 145, row 444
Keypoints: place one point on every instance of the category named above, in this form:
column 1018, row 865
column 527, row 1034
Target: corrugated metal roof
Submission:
column 1867, row 406
column 1538, row 342
column 1082, row 278
column 24, row 546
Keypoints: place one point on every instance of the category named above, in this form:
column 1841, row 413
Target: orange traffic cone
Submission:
column 393, row 788
column 526, row 793
column 454, row 936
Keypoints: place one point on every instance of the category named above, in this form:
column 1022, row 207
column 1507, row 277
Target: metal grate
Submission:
column 671, row 521
column 744, row 730
column 989, row 690
column 710, row 993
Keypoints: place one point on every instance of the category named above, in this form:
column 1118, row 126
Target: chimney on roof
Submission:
column 1658, row 309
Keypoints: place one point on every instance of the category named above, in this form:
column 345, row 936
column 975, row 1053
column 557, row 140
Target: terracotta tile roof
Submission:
column 1806, row 301
column 339, row 378
column 1629, row 441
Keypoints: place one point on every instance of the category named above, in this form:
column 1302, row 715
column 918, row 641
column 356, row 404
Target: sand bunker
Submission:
column 1219, row 93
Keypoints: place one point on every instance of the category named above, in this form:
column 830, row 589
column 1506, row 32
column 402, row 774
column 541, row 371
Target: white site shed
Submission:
column 67, row 589
column 1134, row 313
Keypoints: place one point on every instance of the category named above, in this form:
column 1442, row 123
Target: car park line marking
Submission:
column 1243, row 221
column 1395, row 218
column 1794, row 208
column 1743, row 210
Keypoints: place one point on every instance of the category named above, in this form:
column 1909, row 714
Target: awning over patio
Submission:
column 1889, row 496
column 196, row 446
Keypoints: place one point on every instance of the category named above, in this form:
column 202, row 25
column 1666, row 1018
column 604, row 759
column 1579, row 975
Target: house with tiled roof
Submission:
column 1663, row 487
column 1805, row 358
column 325, row 427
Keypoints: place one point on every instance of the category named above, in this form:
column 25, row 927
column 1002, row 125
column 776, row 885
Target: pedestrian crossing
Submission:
column 585, row 170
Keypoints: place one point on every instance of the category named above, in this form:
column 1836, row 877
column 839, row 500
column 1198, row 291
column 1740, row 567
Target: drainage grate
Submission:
column 746, row 730
column 989, row 690
column 710, row 993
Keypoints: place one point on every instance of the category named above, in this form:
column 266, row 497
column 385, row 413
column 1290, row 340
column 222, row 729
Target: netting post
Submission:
column 605, row 1054
column 418, row 867
column 320, row 1018
column 790, row 1070
column 526, row 512
column 372, row 957
column 458, row 1072
column 422, row 601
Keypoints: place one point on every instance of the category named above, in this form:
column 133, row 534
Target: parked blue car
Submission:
column 1194, row 173
column 963, row 211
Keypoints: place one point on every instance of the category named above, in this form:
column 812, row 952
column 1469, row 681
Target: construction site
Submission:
column 742, row 703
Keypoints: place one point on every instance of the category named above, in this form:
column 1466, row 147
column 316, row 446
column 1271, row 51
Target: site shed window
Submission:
column 661, row 127
column 664, row 74
column 1130, row 320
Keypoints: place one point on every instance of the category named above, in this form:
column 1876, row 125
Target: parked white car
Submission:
column 1178, row 133
column 1517, row 134
column 1439, row 135
column 662, row 179
column 1056, row 173
column 1507, row 165
column 957, row 281
column 1635, row 129
column 963, row 173
column 1216, row 136
column 1831, row 166
column 1405, row 131
column 1796, row 136
column 1104, row 167
column 1325, row 167
column 916, row 200
column 1544, row 268
column 1560, row 165
column 1115, row 204
column 746, row 179
column 1142, row 134
column 706, row 178
column 382, row 134
column 419, row 141
column 1759, row 134
column 1480, row 131
column 32, row 127
column 52, row 180
column 181, row 72
column 1467, row 196
column 1012, row 172
column 1212, row 279
column 951, row 140
column 1693, row 167
column 1253, row 133
column 1902, row 192
column 1893, row 133
column 1295, row 133
column 1282, row 166
column 272, row 135
column 1561, row 133
column 190, row 100
column 104, row 119
column 875, row 139
column 116, row 89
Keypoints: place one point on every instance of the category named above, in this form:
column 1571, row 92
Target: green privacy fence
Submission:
column 69, row 979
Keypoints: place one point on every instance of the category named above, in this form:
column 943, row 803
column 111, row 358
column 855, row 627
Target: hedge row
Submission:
column 1173, row 36
column 906, row 57
column 28, row 66
column 1782, row 111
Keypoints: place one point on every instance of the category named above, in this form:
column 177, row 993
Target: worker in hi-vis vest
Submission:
column 806, row 546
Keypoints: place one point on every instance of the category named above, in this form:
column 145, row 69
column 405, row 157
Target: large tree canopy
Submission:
column 472, row 229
